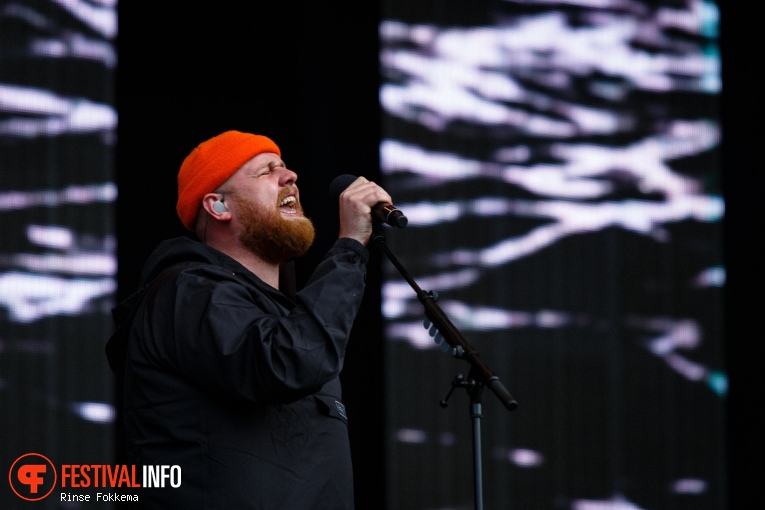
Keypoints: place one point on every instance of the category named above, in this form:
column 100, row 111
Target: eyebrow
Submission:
column 269, row 165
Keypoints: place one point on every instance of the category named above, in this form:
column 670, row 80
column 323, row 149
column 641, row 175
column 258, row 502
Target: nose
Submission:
column 287, row 177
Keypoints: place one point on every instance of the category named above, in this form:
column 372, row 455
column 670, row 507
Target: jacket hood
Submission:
column 179, row 252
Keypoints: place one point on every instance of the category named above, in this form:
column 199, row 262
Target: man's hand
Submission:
column 356, row 203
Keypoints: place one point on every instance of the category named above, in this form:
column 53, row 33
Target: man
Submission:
column 224, row 375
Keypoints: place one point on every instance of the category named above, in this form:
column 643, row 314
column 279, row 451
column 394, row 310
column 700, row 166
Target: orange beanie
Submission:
column 210, row 164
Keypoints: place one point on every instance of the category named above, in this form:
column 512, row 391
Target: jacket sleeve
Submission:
column 235, row 337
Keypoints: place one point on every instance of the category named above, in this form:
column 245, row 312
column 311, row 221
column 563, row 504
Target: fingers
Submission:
column 356, row 203
column 366, row 192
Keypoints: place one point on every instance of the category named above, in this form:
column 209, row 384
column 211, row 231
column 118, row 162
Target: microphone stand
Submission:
column 479, row 376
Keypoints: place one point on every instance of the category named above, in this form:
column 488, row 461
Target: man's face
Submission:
column 272, row 224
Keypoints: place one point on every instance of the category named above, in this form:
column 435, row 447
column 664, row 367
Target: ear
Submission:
column 215, row 207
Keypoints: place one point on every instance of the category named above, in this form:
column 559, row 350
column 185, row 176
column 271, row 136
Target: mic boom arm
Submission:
column 451, row 334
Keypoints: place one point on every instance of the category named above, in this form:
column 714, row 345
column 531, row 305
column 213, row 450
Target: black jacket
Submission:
column 237, row 384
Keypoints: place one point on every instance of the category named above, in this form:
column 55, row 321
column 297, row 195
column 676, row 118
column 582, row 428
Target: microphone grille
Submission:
column 339, row 184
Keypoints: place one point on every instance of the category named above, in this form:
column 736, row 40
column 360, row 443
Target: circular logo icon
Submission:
column 32, row 477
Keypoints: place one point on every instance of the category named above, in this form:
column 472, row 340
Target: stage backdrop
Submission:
column 57, row 254
column 559, row 166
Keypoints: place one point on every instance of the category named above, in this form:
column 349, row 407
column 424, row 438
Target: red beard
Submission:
column 272, row 237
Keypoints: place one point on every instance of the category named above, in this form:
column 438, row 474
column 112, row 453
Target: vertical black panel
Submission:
column 307, row 76
column 742, row 111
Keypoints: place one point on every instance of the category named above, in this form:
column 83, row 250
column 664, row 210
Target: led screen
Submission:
column 57, row 263
column 558, row 164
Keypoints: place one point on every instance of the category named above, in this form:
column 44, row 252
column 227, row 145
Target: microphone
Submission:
column 384, row 213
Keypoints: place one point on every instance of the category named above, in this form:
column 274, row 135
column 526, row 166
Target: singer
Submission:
column 228, row 373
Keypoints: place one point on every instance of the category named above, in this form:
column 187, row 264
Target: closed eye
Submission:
column 271, row 168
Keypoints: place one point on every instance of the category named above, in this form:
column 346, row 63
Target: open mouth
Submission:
column 289, row 205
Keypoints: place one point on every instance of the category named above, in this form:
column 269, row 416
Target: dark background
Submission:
column 307, row 76
column 743, row 181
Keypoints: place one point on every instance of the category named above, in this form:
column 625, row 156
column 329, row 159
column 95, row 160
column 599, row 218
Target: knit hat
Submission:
column 211, row 163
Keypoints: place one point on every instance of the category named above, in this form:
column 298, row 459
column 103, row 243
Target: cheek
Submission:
column 263, row 198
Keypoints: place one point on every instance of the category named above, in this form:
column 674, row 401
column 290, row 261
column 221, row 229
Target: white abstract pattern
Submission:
column 557, row 165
